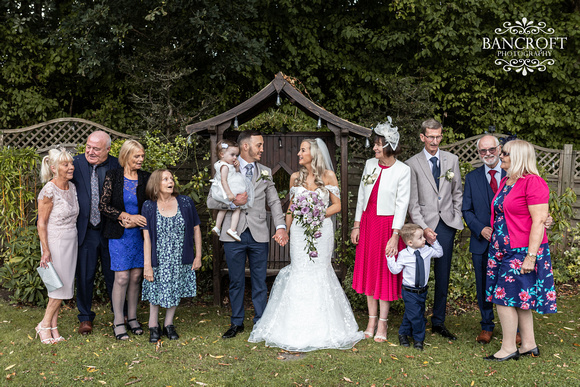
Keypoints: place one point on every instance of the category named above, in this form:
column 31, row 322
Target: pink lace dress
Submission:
column 62, row 235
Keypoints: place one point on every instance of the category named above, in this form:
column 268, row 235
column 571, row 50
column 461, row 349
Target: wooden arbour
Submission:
column 277, row 90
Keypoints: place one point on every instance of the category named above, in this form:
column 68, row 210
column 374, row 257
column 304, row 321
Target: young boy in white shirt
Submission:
column 414, row 261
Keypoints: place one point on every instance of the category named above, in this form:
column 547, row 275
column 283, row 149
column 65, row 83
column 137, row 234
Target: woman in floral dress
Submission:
column 519, row 268
column 172, row 226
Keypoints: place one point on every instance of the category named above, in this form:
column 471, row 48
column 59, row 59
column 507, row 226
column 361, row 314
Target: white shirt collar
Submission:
column 497, row 168
column 429, row 155
column 243, row 164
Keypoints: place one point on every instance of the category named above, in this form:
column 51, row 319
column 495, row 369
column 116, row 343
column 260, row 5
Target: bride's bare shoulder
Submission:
column 329, row 178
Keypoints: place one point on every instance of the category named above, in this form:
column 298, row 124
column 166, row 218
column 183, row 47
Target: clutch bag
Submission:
column 50, row 277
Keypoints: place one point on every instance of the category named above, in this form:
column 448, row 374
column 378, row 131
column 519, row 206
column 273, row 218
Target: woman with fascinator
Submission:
column 308, row 309
column 383, row 198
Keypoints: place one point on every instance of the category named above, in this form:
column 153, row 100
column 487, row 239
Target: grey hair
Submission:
column 487, row 135
column 431, row 123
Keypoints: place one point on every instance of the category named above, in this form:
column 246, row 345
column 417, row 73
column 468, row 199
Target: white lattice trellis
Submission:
column 549, row 159
column 68, row 132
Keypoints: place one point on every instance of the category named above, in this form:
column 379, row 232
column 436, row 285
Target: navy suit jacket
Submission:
column 82, row 181
column 476, row 208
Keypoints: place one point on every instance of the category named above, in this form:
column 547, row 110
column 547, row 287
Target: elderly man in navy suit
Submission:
column 481, row 185
column 89, row 175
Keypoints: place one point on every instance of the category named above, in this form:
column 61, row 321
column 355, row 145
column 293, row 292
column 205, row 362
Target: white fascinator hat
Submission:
column 389, row 132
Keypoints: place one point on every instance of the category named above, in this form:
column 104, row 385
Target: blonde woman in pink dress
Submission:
column 58, row 209
column 383, row 198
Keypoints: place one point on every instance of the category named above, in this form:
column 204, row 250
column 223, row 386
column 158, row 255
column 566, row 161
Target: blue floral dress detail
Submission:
column 172, row 280
column 505, row 285
column 127, row 251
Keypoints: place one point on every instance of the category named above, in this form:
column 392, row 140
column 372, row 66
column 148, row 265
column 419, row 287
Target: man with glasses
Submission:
column 435, row 205
column 481, row 184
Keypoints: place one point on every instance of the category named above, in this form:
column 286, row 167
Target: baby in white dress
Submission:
column 227, row 183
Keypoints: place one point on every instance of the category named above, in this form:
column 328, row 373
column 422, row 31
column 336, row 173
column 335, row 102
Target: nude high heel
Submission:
column 368, row 334
column 381, row 339
column 39, row 329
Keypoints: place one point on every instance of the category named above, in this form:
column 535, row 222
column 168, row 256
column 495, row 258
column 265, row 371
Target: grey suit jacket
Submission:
column 428, row 203
column 254, row 218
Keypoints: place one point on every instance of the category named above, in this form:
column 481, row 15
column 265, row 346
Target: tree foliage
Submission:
column 141, row 65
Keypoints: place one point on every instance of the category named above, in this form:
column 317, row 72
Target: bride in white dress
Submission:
column 307, row 309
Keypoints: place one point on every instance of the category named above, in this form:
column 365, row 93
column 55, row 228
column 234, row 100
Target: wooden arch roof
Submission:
column 267, row 98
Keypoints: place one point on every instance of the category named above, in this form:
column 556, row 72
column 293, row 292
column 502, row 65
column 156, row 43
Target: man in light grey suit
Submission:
column 253, row 231
column 435, row 205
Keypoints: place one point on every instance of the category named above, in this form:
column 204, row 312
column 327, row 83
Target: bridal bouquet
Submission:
column 309, row 211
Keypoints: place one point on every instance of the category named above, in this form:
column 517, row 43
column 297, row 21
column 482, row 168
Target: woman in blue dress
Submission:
column 519, row 268
column 170, row 263
column 121, row 202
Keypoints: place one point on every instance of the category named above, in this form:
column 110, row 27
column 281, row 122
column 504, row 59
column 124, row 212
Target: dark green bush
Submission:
column 19, row 274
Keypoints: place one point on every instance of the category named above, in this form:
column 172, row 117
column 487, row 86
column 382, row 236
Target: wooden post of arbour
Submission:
column 344, row 189
column 216, row 259
column 566, row 169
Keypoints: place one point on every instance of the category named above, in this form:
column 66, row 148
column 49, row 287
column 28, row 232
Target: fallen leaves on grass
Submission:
column 10, row 366
column 347, row 380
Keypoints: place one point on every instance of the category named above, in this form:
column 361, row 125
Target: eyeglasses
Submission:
column 490, row 150
column 433, row 138
column 504, row 154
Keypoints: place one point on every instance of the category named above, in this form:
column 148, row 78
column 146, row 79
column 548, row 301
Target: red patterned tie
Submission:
column 493, row 181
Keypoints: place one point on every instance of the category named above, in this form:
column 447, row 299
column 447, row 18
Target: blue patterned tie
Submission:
column 436, row 170
column 419, row 270
column 95, row 218
column 249, row 173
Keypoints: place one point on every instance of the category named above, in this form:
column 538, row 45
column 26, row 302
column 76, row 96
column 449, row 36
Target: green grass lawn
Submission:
column 201, row 357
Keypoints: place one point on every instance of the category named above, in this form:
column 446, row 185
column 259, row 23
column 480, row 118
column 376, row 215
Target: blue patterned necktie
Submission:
column 419, row 270
column 249, row 173
column 95, row 218
column 436, row 170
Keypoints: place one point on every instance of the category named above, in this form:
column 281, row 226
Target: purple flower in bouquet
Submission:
column 309, row 211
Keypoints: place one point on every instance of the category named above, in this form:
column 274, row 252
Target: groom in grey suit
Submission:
column 435, row 205
column 253, row 231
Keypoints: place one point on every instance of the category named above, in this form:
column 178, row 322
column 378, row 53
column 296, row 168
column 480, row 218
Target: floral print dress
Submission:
column 172, row 280
column 505, row 285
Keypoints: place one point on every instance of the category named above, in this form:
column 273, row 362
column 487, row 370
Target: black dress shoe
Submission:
column 170, row 332
column 532, row 352
column 418, row 345
column 154, row 334
column 443, row 332
column 233, row 331
column 404, row 340
column 514, row 356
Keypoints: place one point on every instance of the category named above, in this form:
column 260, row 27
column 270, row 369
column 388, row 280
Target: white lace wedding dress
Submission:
column 307, row 309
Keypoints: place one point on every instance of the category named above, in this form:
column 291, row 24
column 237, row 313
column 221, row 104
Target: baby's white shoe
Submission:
column 216, row 231
column 234, row 235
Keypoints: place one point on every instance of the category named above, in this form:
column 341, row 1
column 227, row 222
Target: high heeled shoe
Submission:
column 369, row 335
column 136, row 330
column 534, row 352
column 56, row 339
column 120, row 336
column 514, row 356
column 378, row 338
column 39, row 329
